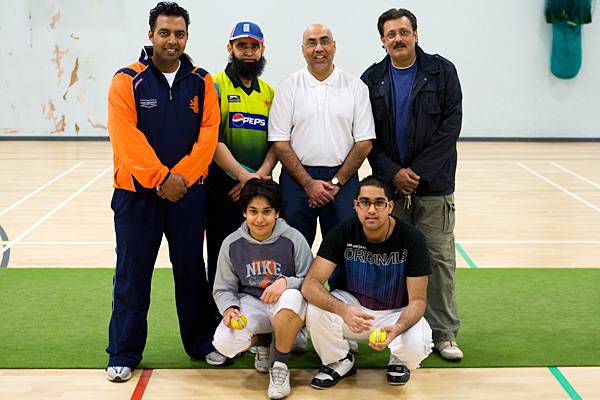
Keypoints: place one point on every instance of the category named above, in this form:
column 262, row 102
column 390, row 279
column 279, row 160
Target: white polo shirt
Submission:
column 321, row 120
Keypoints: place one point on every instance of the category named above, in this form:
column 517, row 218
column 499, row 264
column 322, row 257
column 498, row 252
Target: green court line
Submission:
column 565, row 383
column 464, row 255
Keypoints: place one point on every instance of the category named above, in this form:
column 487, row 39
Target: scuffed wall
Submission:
column 58, row 56
column 52, row 80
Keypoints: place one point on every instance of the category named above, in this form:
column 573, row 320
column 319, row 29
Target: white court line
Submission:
column 40, row 188
column 63, row 243
column 53, row 211
column 556, row 185
column 568, row 171
column 69, row 243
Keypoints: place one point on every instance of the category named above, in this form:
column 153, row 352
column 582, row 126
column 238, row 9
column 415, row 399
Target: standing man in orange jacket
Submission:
column 163, row 121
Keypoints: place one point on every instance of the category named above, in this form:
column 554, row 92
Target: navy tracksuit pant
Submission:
column 141, row 219
column 299, row 215
column 220, row 223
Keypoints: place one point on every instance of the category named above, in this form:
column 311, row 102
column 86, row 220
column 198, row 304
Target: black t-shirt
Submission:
column 375, row 273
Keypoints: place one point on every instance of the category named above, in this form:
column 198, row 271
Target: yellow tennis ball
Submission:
column 239, row 323
column 377, row 335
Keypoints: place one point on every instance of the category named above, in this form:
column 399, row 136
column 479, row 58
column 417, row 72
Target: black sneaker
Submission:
column 329, row 375
column 397, row 373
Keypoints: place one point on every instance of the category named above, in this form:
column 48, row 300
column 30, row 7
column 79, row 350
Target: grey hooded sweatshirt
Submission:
column 246, row 265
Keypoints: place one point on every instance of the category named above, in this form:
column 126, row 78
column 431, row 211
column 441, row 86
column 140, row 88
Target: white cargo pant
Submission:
column 329, row 333
column 230, row 342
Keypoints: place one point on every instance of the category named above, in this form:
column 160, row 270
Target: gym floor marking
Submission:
column 53, row 211
column 565, row 383
column 140, row 388
column 586, row 180
column 30, row 195
column 529, row 241
column 6, row 255
column 556, row 185
column 464, row 255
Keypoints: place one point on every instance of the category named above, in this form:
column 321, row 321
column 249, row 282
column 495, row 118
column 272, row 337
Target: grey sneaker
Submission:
column 216, row 358
column 279, row 381
column 301, row 342
column 118, row 374
column 353, row 346
column 262, row 359
column 449, row 351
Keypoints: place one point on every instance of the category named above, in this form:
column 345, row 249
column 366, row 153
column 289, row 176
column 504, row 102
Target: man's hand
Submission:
column 319, row 193
column 231, row 312
column 406, row 180
column 391, row 331
column 357, row 320
column 234, row 193
column 263, row 173
column 336, row 189
column 273, row 292
column 173, row 189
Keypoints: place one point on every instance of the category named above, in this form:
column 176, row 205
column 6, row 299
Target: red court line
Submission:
column 141, row 385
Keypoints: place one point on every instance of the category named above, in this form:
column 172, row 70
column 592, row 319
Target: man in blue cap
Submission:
column 243, row 151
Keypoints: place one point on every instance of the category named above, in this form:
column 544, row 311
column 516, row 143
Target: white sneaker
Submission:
column 216, row 358
column 118, row 374
column 301, row 342
column 397, row 372
column 262, row 359
column 279, row 381
column 329, row 375
column 449, row 351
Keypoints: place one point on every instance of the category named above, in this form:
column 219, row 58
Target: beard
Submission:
column 248, row 70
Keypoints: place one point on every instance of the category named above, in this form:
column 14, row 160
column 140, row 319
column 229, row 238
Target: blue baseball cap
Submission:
column 247, row 29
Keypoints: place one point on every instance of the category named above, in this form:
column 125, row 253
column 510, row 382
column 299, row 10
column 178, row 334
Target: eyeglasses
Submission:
column 241, row 46
column 365, row 204
column 324, row 41
column 391, row 35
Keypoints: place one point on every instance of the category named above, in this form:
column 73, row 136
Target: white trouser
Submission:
column 329, row 333
column 230, row 342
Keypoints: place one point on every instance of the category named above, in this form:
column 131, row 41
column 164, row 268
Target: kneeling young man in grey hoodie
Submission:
column 260, row 269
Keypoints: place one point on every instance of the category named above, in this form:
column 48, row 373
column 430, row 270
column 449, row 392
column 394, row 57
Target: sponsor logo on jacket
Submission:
column 256, row 122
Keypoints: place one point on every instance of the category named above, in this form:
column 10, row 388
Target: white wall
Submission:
column 501, row 50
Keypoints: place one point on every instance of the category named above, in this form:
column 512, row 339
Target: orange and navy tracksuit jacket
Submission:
column 156, row 130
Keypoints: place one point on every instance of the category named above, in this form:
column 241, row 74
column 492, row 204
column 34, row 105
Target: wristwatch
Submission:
column 335, row 181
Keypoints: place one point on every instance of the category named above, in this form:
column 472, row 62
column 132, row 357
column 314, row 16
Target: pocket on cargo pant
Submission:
column 449, row 213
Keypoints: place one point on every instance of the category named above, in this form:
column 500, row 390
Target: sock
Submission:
column 263, row 339
column 281, row 357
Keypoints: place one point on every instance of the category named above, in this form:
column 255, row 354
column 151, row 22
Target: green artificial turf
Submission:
column 58, row 318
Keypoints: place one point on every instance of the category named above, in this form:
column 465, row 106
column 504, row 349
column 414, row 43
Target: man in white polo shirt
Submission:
column 321, row 127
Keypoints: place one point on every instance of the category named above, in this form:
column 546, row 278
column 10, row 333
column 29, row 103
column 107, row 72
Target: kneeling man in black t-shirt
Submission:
column 378, row 268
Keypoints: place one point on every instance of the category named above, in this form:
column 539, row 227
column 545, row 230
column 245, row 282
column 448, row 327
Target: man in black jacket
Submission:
column 416, row 100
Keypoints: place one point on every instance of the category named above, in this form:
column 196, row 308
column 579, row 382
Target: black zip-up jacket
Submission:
column 433, row 129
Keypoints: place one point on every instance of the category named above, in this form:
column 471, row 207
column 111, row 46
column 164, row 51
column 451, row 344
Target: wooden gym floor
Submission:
column 519, row 205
